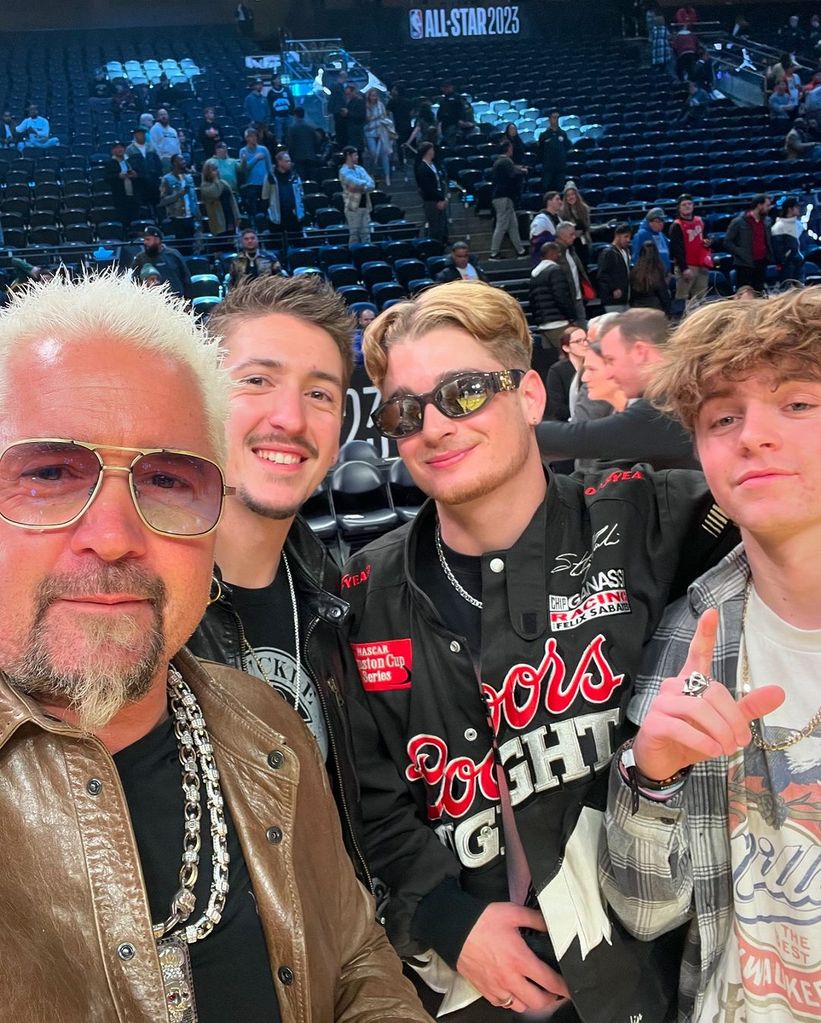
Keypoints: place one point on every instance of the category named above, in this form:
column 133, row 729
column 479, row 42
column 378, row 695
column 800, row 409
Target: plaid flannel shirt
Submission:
column 670, row 862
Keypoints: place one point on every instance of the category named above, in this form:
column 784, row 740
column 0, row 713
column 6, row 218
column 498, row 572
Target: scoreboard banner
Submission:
column 428, row 24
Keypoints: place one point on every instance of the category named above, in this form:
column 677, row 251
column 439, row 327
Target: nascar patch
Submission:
column 384, row 665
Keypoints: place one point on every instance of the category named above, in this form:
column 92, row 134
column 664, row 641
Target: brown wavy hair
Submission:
column 730, row 340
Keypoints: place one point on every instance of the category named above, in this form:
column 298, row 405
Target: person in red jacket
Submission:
column 689, row 251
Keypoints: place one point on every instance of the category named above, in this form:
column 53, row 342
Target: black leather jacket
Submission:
column 219, row 637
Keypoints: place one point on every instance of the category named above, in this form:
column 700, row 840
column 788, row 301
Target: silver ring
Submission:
column 696, row 684
column 507, row 1003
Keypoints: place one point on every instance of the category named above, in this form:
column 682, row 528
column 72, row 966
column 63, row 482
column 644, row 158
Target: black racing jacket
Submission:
column 323, row 614
column 566, row 613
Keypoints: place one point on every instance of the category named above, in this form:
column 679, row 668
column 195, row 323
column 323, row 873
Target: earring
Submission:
column 218, row 594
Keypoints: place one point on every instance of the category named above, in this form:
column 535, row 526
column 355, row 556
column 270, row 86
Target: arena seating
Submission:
column 627, row 154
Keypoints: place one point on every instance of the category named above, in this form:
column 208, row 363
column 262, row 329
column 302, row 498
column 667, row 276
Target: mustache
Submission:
column 105, row 578
column 307, row 447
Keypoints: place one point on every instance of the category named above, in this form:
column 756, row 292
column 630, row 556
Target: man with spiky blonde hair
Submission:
column 170, row 849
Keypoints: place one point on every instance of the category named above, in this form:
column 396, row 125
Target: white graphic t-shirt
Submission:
column 771, row 969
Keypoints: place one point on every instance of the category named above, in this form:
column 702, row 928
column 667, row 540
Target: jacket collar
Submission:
column 722, row 584
column 315, row 576
column 17, row 709
column 525, row 561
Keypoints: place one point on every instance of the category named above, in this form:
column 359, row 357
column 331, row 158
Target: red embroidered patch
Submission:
column 385, row 664
column 358, row 577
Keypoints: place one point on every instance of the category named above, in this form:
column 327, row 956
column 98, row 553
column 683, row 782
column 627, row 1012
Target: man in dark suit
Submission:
column 144, row 160
column 631, row 347
column 613, row 279
column 121, row 176
column 433, row 192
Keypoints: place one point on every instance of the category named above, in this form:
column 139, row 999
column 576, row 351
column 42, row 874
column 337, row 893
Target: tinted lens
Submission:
column 399, row 417
column 46, row 484
column 178, row 494
column 463, row 395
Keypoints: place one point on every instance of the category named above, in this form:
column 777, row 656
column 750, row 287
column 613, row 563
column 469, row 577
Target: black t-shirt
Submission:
column 231, row 968
column 459, row 616
column 267, row 618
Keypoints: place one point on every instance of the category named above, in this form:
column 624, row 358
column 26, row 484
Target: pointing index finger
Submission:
column 700, row 654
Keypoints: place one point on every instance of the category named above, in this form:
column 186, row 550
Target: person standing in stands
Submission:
column 649, row 287
column 661, row 52
column 433, row 191
column 544, row 224
column 168, row 262
column 786, row 241
column 554, row 146
column 144, row 160
column 552, row 297
column 228, row 166
column 377, row 137
column 399, row 108
column 337, row 109
column 122, row 179
column 301, row 144
column 355, row 117
column 689, row 251
column 452, row 116
column 277, row 615
column 651, row 229
column 749, row 242
column 357, row 186
column 507, row 190
column 255, row 166
column 165, row 138
column 208, row 132
column 280, row 108
column 255, row 105
column 497, row 637
column 178, row 198
column 613, row 278
column 575, row 270
column 283, row 190
column 220, row 205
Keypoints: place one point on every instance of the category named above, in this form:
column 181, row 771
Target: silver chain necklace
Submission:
column 294, row 607
column 198, row 767
column 755, row 729
column 451, row 578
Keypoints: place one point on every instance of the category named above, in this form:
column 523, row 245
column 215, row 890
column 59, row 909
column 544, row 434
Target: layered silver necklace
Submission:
column 198, row 768
column 451, row 578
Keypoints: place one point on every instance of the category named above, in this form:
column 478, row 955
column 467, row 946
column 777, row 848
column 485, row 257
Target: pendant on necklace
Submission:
column 177, row 982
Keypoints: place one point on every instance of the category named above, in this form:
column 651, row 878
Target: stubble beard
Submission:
column 496, row 476
column 118, row 660
column 267, row 511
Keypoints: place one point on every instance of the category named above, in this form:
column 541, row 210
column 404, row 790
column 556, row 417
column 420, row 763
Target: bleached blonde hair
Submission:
column 114, row 306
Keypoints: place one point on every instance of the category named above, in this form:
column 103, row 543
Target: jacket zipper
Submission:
column 335, row 754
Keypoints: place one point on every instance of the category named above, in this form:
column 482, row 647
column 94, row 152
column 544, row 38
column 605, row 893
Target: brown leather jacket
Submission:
column 72, row 896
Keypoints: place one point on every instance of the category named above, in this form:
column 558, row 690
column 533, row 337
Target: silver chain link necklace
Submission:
column 198, row 767
column 451, row 578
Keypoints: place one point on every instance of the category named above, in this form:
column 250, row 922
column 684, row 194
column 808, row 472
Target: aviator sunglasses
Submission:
column 49, row 483
column 457, row 397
